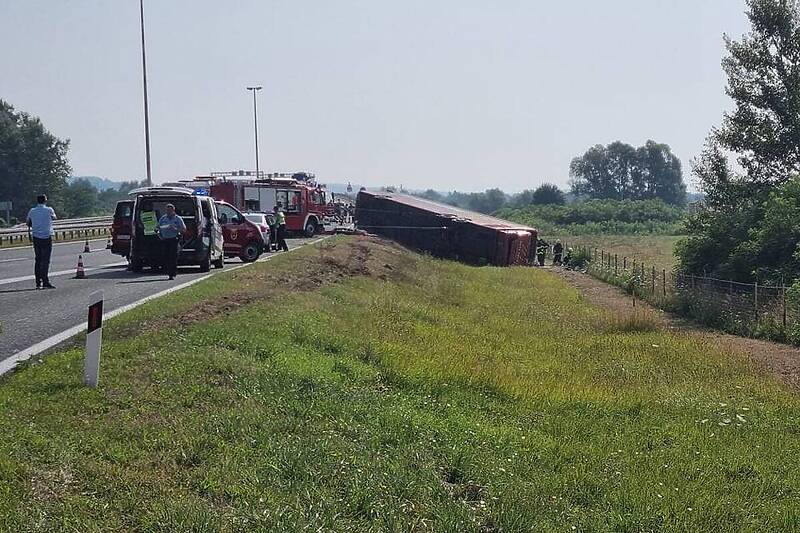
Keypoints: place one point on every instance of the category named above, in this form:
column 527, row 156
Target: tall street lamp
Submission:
column 255, row 122
column 149, row 182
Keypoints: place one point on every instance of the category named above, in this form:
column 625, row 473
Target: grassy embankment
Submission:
column 413, row 394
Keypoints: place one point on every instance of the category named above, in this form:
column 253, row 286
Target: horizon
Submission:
column 464, row 98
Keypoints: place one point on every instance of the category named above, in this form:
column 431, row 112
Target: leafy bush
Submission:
column 759, row 239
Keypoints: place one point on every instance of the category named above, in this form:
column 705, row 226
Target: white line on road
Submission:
column 30, row 246
column 17, row 259
column 59, row 273
column 27, row 353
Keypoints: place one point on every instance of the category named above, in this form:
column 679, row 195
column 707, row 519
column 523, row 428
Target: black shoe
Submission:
column 48, row 286
column 172, row 277
column 38, row 285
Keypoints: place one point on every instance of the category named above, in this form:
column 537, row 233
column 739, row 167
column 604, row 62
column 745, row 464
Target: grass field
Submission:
column 357, row 387
column 655, row 250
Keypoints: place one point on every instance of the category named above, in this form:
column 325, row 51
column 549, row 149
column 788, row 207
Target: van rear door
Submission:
column 121, row 228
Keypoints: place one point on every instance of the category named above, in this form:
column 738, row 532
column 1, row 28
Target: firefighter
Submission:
column 541, row 251
column 567, row 258
column 280, row 222
column 558, row 249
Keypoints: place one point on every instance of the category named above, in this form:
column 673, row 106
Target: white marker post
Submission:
column 94, row 339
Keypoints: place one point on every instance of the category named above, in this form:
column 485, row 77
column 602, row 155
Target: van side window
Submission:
column 228, row 215
column 206, row 209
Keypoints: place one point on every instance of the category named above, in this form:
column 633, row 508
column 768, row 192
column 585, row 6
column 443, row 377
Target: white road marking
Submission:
column 59, row 273
column 17, row 259
column 30, row 246
column 39, row 347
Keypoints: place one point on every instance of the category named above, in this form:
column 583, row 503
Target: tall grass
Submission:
column 457, row 399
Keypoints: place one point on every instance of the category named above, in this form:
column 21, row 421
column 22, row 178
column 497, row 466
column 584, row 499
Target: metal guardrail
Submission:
column 67, row 229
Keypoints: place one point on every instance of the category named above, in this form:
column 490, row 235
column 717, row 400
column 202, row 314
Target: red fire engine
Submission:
column 298, row 195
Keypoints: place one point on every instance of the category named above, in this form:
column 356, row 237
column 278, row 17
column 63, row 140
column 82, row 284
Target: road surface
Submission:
column 29, row 316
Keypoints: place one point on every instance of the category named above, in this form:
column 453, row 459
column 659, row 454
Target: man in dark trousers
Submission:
column 170, row 228
column 541, row 251
column 40, row 222
column 280, row 222
column 558, row 250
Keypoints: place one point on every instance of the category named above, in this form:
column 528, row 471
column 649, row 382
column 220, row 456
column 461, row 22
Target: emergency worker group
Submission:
column 170, row 228
column 559, row 258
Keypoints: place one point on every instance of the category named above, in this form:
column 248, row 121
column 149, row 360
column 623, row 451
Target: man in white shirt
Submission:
column 40, row 221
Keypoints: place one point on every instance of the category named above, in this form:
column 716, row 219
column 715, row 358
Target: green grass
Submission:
column 428, row 396
column 655, row 250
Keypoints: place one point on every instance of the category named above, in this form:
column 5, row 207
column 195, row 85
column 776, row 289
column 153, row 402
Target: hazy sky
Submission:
column 445, row 94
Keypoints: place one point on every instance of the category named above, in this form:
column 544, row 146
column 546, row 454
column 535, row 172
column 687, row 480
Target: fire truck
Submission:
column 299, row 196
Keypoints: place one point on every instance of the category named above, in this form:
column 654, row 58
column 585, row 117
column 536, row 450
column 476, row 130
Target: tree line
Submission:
column 492, row 200
column 748, row 229
column 33, row 161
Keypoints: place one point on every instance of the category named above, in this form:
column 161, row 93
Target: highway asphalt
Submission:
column 29, row 316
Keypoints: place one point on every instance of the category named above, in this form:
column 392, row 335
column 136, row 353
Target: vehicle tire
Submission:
column 250, row 252
column 219, row 263
column 311, row 228
column 205, row 264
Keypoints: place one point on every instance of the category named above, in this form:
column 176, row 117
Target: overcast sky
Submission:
column 447, row 94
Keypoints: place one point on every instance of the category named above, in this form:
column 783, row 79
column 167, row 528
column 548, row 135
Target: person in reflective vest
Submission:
column 558, row 249
column 541, row 251
column 280, row 222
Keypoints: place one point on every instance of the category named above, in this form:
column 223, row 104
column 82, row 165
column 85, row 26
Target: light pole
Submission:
column 255, row 122
column 149, row 182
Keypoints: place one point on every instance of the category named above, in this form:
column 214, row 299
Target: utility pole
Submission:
column 149, row 182
column 255, row 122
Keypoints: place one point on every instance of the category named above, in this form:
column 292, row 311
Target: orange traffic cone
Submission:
column 79, row 272
column 86, row 248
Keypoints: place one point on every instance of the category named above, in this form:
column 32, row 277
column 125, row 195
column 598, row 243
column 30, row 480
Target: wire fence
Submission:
column 748, row 309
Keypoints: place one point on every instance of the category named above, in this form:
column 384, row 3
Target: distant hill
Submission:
column 101, row 184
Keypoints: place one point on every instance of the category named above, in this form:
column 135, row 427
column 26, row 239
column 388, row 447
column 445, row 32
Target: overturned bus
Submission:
column 445, row 231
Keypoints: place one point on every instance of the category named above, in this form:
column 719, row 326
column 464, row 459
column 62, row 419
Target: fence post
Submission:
column 603, row 257
column 783, row 297
column 625, row 264
column 664, row 281
column 755, row 297
column 653, row 282
column 616, row 266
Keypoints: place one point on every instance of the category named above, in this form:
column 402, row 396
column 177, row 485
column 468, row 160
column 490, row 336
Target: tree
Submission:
column 621, row 172
column 432, row 195
column 32, row 161
column 762, row 133
column 546, row 194
column 488, row 201
column 80, row 199
column 763, row 71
